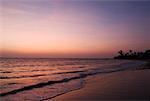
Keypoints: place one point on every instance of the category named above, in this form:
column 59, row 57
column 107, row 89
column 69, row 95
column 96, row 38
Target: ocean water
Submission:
column 41, row 79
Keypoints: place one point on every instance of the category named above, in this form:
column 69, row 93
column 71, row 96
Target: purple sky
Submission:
column 63, row 28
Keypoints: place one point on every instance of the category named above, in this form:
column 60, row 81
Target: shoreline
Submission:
column 96, row 78
column 96, row 85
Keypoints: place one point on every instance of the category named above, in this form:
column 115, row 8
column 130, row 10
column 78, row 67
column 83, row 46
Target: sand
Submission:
column 123, row 85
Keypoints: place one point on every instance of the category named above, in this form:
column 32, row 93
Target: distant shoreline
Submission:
column 132, row 55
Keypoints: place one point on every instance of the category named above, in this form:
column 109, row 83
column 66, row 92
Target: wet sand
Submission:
column 123, row 85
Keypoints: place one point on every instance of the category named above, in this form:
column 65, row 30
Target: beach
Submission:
column 124, row 85
column 73, row 79
column 74, row 50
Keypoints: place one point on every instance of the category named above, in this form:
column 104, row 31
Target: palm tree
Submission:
column 130, row 51
column 133, row 55
column 121, row 53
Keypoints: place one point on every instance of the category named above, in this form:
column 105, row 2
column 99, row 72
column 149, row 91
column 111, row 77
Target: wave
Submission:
column 39, row 75
column 81, row 75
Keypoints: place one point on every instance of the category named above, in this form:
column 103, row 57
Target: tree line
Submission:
column 133, row 55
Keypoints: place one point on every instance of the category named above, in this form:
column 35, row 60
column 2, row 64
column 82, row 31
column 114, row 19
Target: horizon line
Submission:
column 57, row 58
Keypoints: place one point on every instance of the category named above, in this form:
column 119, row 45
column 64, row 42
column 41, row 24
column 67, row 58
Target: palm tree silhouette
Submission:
column 133, row 55
column 121, row 53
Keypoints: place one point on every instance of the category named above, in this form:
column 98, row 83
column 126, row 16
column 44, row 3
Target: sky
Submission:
column 73, row 28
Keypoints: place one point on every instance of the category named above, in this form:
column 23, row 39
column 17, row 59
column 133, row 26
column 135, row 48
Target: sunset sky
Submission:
column 77, row 28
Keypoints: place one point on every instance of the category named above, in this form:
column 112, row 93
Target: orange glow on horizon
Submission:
column 81, row 29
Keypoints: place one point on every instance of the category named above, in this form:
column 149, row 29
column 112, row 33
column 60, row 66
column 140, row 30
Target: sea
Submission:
column 39, row 79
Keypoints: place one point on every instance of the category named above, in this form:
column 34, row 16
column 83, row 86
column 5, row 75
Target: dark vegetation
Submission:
column 133, row 55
